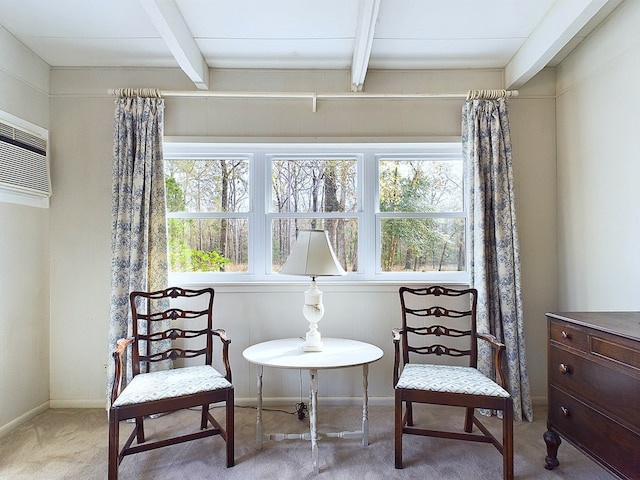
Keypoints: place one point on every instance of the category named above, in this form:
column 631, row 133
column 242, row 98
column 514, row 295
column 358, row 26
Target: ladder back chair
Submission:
column 188, row 336
column 441, row 322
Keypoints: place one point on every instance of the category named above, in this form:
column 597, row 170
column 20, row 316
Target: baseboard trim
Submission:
column 322, row 401
column 79, row 403
column 245, row 402
column 539, row 401
column 13, row 424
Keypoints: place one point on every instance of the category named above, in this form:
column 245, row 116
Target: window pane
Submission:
column 342, row 232
column 208, row 245
column 208, row 185
column 422, row 244
column 314, row 185
column 420, row 186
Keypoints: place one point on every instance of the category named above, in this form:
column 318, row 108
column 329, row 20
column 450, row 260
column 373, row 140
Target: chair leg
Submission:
column 114, row 445
column 203, row 418
column 468, row 419
column 398, row 424
column 409, row 414
column 230, row 428
column 139, row 430
column 507, row 440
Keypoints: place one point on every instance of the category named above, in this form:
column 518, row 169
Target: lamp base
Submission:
column 313, row 311
column 313, row 342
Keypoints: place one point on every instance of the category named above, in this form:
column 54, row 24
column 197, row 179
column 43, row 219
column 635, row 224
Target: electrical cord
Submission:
column 301, row 409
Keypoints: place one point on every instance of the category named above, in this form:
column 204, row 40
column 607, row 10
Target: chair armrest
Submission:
column 118, row 354
column 491, row 339
column 397, row 336
column 396, row 332
column 222, row 334
column 498, row 356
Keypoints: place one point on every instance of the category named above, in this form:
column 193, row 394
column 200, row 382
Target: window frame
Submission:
column 259, row 216
column 437, row 154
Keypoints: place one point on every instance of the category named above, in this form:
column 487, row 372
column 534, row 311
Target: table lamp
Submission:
column 312, row 256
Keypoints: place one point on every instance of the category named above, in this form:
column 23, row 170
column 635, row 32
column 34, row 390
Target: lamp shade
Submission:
column 312, row 256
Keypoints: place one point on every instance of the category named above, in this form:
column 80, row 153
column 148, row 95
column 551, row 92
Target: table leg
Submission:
column 313, row 421
column 365, row 405
column 259, row 410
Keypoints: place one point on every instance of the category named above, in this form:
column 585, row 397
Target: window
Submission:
column 421, row 215
column 314, row 192
column 392, row 211
column 208, row 203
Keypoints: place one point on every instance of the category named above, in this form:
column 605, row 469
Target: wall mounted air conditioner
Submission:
column 24, row 165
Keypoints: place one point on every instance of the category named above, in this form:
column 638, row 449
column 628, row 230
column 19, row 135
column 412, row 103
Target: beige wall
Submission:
column 81, row 118
column 24, row 254
column 532, row 119
column 599, row 168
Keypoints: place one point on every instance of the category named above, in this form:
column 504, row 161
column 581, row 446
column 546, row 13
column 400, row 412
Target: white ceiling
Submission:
column 520, row 36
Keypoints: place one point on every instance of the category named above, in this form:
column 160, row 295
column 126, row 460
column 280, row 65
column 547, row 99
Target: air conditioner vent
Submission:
column 24, row 166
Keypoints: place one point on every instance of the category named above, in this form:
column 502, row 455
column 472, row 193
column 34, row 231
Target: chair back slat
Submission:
column 173, row 353
column 167, row 327
column 438, row 321
column 439, row 350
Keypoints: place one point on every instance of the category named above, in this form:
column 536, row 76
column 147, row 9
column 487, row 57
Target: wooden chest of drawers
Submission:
column 594, row 388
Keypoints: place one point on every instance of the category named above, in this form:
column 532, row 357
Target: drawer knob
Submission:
column 564, row 369
column 566, row 335
column 565, row 411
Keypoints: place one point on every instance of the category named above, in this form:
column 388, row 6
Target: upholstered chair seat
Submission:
column 148, row 387
column 449, row 379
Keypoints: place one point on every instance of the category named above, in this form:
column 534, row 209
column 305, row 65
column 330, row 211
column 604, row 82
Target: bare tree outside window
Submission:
column 302, row 187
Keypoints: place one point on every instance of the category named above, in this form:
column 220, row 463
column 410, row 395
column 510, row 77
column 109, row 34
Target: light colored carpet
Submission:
column 72, row 444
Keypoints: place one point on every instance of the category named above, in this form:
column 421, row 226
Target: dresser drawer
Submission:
column 623, row 352
column 594, row 433
column 567, row 335
column 609, row 390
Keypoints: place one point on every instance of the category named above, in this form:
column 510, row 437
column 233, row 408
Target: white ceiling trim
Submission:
column 169, row 22
column 556, row 30
column 365, row 31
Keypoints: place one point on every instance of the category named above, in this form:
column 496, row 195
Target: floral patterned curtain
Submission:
column 495, row 257
column 138, row 231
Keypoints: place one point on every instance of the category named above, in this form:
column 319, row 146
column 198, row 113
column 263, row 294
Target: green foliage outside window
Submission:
column 433, row 243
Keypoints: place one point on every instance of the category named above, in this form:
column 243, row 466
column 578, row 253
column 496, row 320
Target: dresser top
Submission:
column 626, row 324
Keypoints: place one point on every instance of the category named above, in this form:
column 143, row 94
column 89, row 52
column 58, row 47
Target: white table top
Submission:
column 336, row 353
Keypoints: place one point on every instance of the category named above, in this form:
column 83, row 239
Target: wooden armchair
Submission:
column 439, row 321
column 154, row 392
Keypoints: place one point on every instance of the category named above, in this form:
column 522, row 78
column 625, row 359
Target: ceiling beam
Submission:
column 556, row 30
column 367, row 18
column 169, row 22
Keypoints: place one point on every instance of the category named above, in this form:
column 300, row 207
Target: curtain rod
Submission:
column 314, row 97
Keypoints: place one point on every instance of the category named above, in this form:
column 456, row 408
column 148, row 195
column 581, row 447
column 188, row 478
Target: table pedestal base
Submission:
column 313, row 419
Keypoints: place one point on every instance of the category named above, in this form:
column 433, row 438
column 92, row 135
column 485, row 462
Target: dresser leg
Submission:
column 552, row 439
